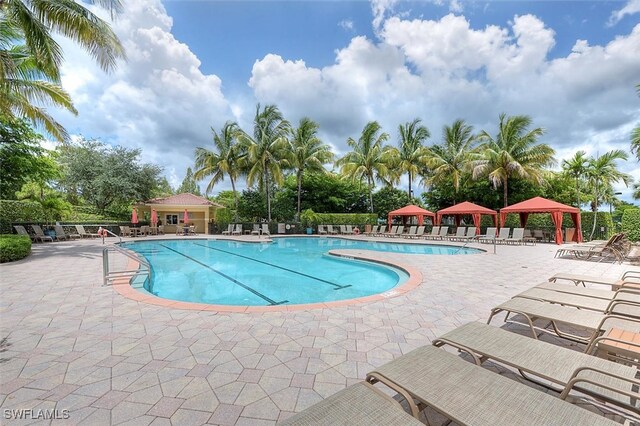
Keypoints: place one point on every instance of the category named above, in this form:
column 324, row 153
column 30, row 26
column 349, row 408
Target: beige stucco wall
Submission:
column 198, row 216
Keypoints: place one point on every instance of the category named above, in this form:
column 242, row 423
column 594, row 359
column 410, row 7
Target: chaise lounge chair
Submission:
column 358, row 405
column 60, row 232
column 551, row 363
column 321, row 230
column 517, row 237
column 21, row 231
column 435, row 231
column 628, row 276
column 471, row 234
column 331, row 231
column 489, row 235
column 460, row 233
column 39, row 234
column 83, row 233
column 471, row 395
column 411, row 232
column 265, row 229
column 237, row 230
column 419, row 232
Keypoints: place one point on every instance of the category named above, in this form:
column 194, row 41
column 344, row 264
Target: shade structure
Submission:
column 154, row 217
column 185, row 216
column 134, row 216
column 467, row 207
column 412, row 210
column 542, row 205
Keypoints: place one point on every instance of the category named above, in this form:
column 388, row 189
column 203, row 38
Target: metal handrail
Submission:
column 107, row 274
column 109, row 232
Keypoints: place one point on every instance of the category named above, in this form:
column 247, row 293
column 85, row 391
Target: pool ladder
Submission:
column 108, row 276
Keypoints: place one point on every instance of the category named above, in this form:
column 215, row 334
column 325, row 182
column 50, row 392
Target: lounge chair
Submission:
column 411, row 232
column 603, row 251
column 545, row 361
column 321, row 230
column 435, row 231
column 593, row 323
column 39, row 234
column 237, row 230
column 419, row 232
column 628, row 276
column 348, row 230
column 503, row 235
column 21, row 231
column 460, row 232
column 229, row 229
column 153, row 230
column 538, row 234
column 471, row 234
column 61, row 234
column 331, row 231
column 489, row 235
column 381, row 231
column 529, row 238
column 399, row 231
column 391, row 232
column 373, row 231
column 193, row 230
column 359, row 404
column 444, row 230
column 256, row 229
column 83, row 233
column 265, row 229
column 471, row 395
column 597, row 293
column 517, row 237
column 161, row 229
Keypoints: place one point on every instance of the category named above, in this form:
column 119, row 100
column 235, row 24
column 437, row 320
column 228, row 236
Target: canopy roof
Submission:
column 539, row 205
column 412, row 210
column 467, row 208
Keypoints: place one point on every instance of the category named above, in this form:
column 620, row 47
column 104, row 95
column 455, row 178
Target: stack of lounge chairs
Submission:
column 604, row 375
column 615, row 249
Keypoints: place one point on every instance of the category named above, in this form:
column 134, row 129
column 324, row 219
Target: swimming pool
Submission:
column 283, row 272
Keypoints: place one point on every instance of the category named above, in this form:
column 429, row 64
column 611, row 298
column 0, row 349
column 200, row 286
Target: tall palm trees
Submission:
column 514, row 152
column 264, row 154
column 411, row 156
column 227, row 159
column 307, row 153
column 601, row 173
column 576, row 167
column 450, row 160
column 635, row 135
column 30, row 58
column 369, row 159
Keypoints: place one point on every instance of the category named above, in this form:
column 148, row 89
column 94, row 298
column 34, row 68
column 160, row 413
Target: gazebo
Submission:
column 542, row 205
column 466, row 207
column 412, row 210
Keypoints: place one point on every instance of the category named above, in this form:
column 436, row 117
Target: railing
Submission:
column 108, row 275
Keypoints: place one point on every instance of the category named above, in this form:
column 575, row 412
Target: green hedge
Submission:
column 345, row 219
column 12, row 211
column 14, row 247
column 631, row 224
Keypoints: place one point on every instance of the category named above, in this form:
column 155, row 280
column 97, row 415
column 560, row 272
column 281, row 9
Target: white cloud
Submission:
column 346, row 24
column 631, row 8
column 158, row 100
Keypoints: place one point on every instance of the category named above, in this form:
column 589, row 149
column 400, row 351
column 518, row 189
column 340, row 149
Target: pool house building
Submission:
column 170, row 211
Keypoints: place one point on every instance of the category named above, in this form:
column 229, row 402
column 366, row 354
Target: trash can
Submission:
column 367, row 229
column 282, row 228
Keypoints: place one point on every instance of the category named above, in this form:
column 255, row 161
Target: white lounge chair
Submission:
column 321, row 230
column 460, row 232
column 489, row 235
column 83, row 233
column 444, row 230
column 435, row 231
column 419, row 232
column 374, row 231
column 411, row 233
column 330, row 230
column 265, row 229
column 237, row 230
column 229, row 229
column 517, row 237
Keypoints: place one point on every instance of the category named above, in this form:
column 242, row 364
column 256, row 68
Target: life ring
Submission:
column 356, row 231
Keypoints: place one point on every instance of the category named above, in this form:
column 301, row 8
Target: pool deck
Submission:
column 70, row 343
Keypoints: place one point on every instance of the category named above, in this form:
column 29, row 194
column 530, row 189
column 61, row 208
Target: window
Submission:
column 172, row 219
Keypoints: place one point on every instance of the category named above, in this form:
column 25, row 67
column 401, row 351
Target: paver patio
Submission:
column 74, row 344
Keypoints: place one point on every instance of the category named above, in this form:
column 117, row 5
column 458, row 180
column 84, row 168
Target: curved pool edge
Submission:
column 123, row 286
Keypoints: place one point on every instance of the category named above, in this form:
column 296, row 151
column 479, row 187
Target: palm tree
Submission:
column 307, row 153
column 513, row 153
column 411, row 156
column 576, row 167
column 226, row 159
column 450, row 160
column 602, row 172
column 369, row 158
column 635, row 135
column 23, row 85
column 38, row 19
column 265, row 150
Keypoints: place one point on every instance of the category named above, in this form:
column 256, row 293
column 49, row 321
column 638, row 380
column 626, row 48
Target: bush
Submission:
column 12, row 211
column 603, row 220
column 631, row 224
column 14, row 247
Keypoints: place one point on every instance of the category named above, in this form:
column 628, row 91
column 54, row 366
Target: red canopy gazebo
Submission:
column 542, row 205
column 466, row 207
column 412, row 210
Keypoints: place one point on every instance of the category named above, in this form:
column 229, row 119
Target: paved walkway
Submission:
column 72, row 344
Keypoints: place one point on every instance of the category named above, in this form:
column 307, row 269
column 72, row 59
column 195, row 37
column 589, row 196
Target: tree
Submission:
column 387, row 199
column 513, row 152
column 576, row 167
column 108, row 178
column 265, row 155
column 22, row 159
column 602, row 172
column 635, row 136
column 307, row 153
column 227, row 159
column 411, row 155
column 369, row 159
column 189, row 184
column 30, row 58
column 163, row 189
column 450, row 160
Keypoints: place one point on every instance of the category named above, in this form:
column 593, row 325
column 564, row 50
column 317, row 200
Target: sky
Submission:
column 192, row 65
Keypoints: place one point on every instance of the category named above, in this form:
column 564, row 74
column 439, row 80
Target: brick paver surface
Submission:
column 70, row 343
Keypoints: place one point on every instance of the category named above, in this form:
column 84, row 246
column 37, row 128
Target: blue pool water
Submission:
column 286, row 271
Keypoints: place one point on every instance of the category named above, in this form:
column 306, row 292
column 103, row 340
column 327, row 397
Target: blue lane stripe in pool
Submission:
column 337, row 286
column 233, row 280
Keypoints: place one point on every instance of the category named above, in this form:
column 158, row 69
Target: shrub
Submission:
column 12, row 211
column 14, row 247
column 631, row 224
column 603, row 220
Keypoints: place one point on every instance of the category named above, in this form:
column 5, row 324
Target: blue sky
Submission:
column 571, row 65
